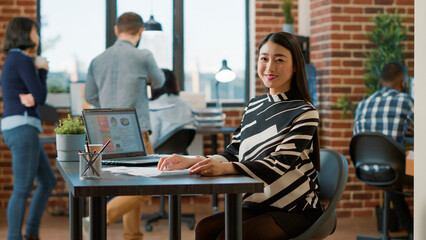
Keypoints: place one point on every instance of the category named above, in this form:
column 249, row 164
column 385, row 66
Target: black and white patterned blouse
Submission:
column 273, row 144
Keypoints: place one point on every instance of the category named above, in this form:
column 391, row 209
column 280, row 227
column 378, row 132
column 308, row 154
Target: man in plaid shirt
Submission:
column 389, row 111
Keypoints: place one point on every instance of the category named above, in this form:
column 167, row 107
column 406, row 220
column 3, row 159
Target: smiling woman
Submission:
column 276, row 142
column 275, row 67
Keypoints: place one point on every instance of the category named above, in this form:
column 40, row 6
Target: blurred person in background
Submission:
column 118, row 78
column 23, row 86
column 168, row 111
column 277, row 143
column 389, row 111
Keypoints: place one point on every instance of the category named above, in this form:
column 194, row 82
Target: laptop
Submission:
column 121, row 126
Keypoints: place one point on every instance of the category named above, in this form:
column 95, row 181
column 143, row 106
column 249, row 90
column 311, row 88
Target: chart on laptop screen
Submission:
column 120, row 128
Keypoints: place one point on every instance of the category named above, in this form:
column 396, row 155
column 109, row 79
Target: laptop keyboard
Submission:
column 150, row 159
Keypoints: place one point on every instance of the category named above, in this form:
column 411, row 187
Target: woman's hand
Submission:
column 176, row 162
column 27, row 100
column 210, row 167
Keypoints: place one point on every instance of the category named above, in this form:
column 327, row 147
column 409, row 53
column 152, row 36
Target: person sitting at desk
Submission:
column 167, row 110
column 389, row 111
column 277, row 143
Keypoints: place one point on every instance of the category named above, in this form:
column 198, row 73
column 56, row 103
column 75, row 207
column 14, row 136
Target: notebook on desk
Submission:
column 121, row 126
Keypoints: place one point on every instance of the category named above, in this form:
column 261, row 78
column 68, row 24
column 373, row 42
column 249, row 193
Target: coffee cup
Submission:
column 94, row 147
column 40, row 61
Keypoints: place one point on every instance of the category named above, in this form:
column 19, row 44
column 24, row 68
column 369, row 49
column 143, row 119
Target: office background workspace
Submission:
column 337, row 50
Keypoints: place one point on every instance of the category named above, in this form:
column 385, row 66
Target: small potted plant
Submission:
column 286, row 6
column 70, row 137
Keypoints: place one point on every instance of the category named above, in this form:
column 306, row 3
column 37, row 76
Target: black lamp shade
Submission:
column 153, row 25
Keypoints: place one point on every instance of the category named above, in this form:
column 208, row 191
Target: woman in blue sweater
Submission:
column 23, row 86
column 277, row 143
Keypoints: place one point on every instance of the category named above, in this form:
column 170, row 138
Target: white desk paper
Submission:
column 145, row 171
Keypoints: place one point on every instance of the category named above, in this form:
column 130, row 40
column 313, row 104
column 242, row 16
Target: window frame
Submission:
column 178, row 41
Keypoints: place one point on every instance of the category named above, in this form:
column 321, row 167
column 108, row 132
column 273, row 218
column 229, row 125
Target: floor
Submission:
column 56, row 227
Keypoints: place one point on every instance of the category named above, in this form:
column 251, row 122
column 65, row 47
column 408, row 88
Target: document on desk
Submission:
column 145, row 171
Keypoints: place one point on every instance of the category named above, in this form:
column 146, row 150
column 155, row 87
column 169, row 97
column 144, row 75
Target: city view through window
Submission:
column 70, row 41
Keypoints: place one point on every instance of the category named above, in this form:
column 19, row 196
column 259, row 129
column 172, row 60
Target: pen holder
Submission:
column 90, row 165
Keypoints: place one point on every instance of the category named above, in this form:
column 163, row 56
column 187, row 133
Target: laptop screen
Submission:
column 119, row 125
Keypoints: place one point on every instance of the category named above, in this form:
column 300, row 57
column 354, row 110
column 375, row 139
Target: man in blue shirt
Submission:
column 389, row 111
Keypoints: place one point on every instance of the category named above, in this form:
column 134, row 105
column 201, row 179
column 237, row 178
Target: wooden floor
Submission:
column 56, row 227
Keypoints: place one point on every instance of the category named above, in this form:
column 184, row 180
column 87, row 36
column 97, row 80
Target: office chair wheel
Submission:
column 148, row 228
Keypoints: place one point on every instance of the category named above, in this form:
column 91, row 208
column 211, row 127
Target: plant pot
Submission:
column 288, row 27
column 67, row 146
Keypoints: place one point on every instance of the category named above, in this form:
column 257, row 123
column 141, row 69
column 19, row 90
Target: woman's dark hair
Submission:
column 298, row 81
column 170, row 86
column 288, row 41
column 18, row 33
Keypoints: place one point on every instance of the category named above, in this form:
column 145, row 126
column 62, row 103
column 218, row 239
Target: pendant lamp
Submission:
column 153, row 25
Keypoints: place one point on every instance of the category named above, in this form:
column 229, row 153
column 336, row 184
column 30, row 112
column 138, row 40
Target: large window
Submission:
column 215, row 31
column 160, row 43
column 209, row 34
column 72, row 34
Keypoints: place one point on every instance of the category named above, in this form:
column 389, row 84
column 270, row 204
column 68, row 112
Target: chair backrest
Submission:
column 176, row 142
column 332, row 179
column 377, row 149
column 48, row 113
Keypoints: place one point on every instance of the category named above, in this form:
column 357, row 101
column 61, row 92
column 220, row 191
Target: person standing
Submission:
column 389, row 111
column 118, row 78
column 277, row 143
column 23, row 86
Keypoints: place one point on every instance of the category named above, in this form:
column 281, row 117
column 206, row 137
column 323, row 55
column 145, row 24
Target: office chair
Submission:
column 332, row 179
column 175, row 142
column 379, row 161
column 48, row 114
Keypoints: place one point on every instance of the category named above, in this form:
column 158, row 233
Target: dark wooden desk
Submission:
column 118, row 184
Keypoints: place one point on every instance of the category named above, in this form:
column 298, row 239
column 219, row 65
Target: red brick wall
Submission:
column 338, row 44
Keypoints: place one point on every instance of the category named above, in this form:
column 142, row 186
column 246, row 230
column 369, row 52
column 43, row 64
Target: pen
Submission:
column 96, row 157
